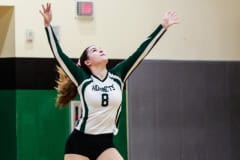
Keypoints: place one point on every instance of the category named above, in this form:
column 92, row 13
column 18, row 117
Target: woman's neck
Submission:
column 99, row 72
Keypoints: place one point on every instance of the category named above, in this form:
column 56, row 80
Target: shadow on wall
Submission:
column 7, row 34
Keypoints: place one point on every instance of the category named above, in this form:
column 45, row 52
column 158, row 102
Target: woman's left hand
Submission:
column 170, row 18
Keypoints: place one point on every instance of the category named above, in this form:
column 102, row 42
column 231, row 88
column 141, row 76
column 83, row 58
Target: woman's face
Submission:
column 96, row 56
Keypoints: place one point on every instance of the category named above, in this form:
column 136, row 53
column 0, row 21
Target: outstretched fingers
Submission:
column 48, row 9
column 170, row 18
column 46, row 13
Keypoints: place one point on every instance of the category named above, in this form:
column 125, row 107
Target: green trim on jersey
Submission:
column 117, row 80
column 102, row 80
column 117, row 115
column 85, row 116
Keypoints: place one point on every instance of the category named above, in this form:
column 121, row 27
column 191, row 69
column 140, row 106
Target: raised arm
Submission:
column 125, row 68
column 75, row 73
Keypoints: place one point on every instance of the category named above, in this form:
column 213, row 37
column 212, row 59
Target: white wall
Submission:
column 209, row 29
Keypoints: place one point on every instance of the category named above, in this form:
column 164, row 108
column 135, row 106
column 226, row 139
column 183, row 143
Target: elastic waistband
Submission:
column 107, row 135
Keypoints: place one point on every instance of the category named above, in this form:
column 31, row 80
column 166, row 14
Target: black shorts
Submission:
column 88, row 145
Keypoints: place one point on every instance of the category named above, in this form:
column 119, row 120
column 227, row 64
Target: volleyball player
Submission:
column 100, row 91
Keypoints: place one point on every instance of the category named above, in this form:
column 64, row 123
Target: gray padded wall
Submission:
column 182, row 110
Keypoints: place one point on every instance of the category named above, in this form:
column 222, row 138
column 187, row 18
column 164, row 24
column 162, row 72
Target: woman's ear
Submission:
column 87, row 62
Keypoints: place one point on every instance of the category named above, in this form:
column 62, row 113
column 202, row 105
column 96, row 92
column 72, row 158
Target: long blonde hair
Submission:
column 66, row 89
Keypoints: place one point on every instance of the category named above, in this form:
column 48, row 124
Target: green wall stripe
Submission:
column 42, row 128
column 8, row 148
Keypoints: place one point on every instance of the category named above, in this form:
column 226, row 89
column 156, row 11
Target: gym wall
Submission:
column 184, row 110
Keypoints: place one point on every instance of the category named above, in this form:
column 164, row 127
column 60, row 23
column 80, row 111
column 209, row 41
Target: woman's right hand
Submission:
column 47, row 14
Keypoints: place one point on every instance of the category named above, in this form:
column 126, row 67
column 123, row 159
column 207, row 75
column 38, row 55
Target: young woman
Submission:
column 100, row 92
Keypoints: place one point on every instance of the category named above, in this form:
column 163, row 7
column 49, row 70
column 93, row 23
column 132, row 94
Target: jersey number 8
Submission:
column 104, row 100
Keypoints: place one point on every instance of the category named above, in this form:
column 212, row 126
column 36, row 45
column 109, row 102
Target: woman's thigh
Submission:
column 110, row 154
column 74, row 157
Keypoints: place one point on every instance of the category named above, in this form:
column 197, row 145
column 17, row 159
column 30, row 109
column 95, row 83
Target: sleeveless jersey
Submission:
column 101, row 99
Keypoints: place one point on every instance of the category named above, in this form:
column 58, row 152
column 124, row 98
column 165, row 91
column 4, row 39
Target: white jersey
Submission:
column 101, row 99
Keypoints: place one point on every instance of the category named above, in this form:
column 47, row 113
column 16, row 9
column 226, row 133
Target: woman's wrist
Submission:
column 46, row 24
column 165, row 26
